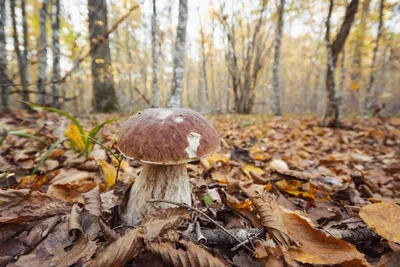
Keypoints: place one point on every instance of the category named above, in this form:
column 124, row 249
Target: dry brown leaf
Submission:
column 40, row 231
column 36, row 205
column 121, row 250
column 193, row 255
column 33, row 182
column 48, row 165
column 384, row 219
column 162, row 220
column 219, row 177
column 8, row 230
column 271, row 218
column 109, row 233
column 93, row 201
column 74, row 222
column 318, row 248
column 10, row 197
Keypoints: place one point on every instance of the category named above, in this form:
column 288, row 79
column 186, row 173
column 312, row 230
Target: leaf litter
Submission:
column 323, row 197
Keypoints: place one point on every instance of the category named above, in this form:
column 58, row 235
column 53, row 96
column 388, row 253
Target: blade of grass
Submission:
column 58, row 111
column 94, row 131
column 51, row 148
column 24, row 134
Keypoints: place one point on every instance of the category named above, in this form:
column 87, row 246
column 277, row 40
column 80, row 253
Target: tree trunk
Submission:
column 55, row 26
column 21, row 58
column 3, row 58
column 356, row 73
column 179, row 57
column 278, row 38
column 205, row 100
column 368, row 93
column 43, row 53
column 333, row 108
column 104, row 97
column 154, row 54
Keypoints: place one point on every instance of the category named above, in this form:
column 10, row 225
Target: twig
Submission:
column 203, row 214
column 142, row 96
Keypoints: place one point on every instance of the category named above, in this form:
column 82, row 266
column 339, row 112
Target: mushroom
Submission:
column 164, row 140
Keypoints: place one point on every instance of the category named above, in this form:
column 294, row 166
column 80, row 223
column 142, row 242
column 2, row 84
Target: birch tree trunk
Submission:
column 368, row 93
column 55, row 26
column 275, row 71
column 3, row 58
column 43, row 53
column 175, row 98
column 333, row 108
column 21, row 58
column 104, row 97
column 154, row 54
column 205, row 104
column 356, row 72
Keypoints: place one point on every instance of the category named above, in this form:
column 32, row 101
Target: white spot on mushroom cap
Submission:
column 178, row 118
column 163, row 113
column 194, row 142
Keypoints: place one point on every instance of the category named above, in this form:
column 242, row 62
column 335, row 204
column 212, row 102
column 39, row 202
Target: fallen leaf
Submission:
column 35, row 205
column 219, row 177
column 250, row 169
column 215, row 158
column 33, row 182
column 318, row 248
column 109, row 171
column 384, row 219
column 192, row 254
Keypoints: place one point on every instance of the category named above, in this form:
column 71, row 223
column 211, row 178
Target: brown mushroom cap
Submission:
column 168, row 136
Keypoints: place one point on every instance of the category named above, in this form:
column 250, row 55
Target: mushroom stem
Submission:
column 168, row 182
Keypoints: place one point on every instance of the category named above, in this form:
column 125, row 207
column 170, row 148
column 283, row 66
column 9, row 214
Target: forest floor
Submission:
column 290, row 192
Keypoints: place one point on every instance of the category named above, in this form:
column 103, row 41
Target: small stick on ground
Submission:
column 203, row 214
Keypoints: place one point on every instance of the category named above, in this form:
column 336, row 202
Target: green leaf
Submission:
column 208, row 200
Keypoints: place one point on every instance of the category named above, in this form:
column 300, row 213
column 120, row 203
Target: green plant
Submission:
column 78, row 137
column 22, row 133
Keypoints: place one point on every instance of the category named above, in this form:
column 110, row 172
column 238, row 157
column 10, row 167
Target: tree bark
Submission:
column 205, row 100
column 43, row 53
column 356, row 72
column 333, row 108
column 154, row 53
column 21, row 58
column 104, row 97
column 3, row 58
column 368, row 93
column 55, row 26
column 175, row 98
column 275, row 79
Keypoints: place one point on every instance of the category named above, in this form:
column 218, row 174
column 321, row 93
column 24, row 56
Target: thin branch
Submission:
column 203, row 214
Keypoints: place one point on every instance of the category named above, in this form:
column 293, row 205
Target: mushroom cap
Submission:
column 168, row 136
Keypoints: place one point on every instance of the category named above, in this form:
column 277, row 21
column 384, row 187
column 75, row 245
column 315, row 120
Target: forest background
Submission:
column 323, row 57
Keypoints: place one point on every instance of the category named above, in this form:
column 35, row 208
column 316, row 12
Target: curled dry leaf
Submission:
column 35, row 205
column 74, row 222
column 108, row 232
column 318, row 248
column 193, row 255
column 93, row 201
column 271, row 218
column 384, row 219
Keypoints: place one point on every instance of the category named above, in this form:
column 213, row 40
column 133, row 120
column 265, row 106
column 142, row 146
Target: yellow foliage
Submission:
column 248, row 169
column 216, row 158
column 109, row 172
column 74, row 136
column 293, row 187
column 219, row 177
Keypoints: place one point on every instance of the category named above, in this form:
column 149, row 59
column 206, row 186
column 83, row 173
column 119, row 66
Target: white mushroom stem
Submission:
column 167, row 182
